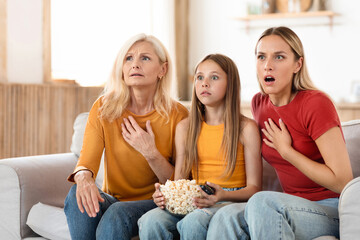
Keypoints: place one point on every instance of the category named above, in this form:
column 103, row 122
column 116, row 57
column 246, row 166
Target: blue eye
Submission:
column 128, row 58
column 279, row 57
column 214, row 77
column 146, row 58
column 199, row 77
column 261, row 57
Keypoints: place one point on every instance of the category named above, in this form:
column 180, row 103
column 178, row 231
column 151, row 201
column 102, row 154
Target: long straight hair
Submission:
column 232, row 119
column 116, row 94
column 301, row 79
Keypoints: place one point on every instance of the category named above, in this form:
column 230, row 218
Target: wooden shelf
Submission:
column 249, row 18
column 288, row 15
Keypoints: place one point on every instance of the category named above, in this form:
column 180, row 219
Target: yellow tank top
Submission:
column 211, row 159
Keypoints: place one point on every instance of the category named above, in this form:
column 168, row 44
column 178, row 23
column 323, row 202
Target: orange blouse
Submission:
column 127, row 175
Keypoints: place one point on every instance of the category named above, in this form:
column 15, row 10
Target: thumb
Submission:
column 148, row 128
column 212, row 185
column 99, row 197
column 157, row 187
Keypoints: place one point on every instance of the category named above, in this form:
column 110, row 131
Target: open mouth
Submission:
column 136, row 75
column 269, row 79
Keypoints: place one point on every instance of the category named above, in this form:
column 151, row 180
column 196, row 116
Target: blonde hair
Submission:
column 301, row 79
column 116, row 94
column 232, row 119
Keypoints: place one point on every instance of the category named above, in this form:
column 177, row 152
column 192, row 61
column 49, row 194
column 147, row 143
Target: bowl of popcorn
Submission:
column 179, row 195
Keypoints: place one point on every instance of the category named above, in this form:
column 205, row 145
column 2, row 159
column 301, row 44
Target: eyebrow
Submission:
column 144, row 53
column 278, row 52
column 212, row 72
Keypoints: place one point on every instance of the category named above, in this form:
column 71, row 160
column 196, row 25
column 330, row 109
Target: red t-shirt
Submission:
column 310, row 114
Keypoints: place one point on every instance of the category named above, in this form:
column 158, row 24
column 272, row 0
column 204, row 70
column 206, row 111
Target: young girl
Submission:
column 216, row 144
column 302, row 140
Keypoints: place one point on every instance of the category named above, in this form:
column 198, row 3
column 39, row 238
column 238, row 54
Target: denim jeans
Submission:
column 275, row 215
column 115, row 220
column 161, row 224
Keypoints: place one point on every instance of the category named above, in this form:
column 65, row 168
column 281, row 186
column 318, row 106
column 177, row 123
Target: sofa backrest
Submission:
column 351, row 130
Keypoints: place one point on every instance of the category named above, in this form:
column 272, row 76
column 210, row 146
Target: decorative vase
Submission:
column 268, row 6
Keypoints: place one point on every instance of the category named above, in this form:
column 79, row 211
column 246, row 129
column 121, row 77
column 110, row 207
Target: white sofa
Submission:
column 33, row 190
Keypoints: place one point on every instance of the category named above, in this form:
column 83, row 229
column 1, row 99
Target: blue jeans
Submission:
column 275, row 215
column 161, row 224
column 115, row 220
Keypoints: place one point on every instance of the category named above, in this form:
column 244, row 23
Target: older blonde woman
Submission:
column 134, row 121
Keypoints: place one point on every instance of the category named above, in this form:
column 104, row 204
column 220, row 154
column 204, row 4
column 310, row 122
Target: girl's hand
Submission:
column 209, row 200
column 158, row 197
column 141, row 140
column 277, row 138
column 87, row 193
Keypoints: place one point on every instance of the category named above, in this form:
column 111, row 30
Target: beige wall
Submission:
column 38, row 118
column 3, row 41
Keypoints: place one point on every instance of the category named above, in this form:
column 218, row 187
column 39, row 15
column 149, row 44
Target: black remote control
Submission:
column 209, row 190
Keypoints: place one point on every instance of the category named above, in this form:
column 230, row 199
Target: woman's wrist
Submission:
column 152, row 155
column 82, row 174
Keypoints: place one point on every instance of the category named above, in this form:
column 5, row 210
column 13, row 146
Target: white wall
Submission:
column 24, row 41
column 332, row 54
column 85, row 41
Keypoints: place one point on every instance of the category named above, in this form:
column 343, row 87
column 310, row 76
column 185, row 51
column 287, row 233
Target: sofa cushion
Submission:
column 79, row 130
column 349, row 210
column 351, row 131
column 49, row 222
column 10, row 200
column 25, row 181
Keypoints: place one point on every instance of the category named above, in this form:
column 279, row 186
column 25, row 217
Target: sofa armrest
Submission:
column 349, row 211
column 25, row 181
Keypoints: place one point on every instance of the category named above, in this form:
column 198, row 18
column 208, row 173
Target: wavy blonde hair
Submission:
column 301, row 79
column 116, row 95
column 232, row 119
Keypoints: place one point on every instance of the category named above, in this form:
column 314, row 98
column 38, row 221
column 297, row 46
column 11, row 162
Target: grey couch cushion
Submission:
column 79, row 130
column 49, row 222
column 351, row 131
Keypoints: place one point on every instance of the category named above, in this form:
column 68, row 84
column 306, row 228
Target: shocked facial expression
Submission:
column 276, row 65
column 142, row 66
column 210, row 83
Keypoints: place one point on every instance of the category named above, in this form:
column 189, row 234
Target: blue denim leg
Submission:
column 275, row 215
column 158, row 224
column 120, row 219
column 82, row 226
column 229, row 223
column 195, row 224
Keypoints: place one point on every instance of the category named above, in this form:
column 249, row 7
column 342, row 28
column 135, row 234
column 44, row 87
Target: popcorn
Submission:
column 179, row 195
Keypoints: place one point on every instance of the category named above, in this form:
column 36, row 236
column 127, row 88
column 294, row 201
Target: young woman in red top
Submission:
column 302, row 140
